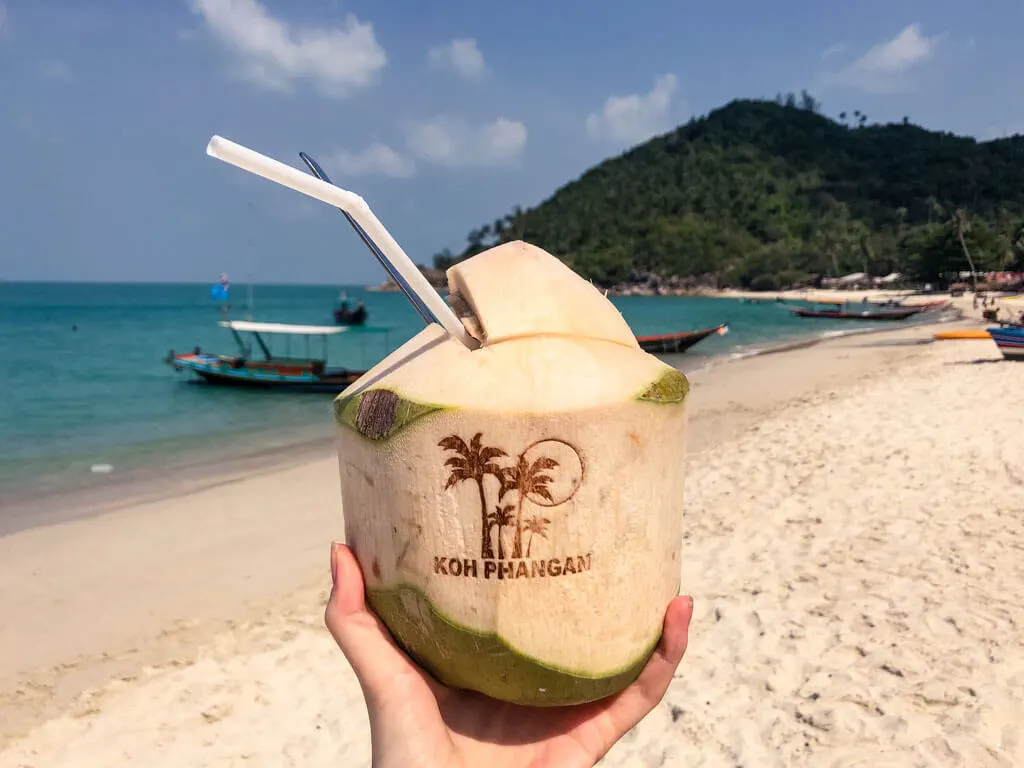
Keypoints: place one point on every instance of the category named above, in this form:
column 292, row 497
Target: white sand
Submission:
column 855, row 545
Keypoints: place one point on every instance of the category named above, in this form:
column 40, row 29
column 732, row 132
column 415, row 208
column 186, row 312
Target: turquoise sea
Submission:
column 85, row 397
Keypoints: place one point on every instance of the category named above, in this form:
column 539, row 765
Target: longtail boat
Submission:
column 880, row 314
column 674, row 343
column 924, row 306
column 308, row 373
column 1010, row 340
column 345, row 316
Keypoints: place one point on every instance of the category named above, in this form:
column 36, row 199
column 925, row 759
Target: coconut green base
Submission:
column 463, row 658
column 671, row 387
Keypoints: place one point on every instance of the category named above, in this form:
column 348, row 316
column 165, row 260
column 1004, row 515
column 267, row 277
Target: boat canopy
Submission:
column 299, row 330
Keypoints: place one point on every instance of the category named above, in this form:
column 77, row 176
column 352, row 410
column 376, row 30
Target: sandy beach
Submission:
column 854, row 543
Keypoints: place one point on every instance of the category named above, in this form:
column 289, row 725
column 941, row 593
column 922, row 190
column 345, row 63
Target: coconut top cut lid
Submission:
column 550, row 341
column 516, row 290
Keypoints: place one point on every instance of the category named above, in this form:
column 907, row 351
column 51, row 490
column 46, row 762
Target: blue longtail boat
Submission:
column 268, row 370
column 1010, row 340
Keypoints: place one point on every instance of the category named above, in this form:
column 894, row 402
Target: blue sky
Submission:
column 442, row 115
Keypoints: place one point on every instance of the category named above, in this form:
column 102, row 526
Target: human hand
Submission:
column 415, row 722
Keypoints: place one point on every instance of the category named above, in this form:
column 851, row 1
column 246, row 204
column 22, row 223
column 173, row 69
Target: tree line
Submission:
column 771, row 193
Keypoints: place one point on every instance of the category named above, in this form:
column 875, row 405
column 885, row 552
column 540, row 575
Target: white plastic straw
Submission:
column 356, row 207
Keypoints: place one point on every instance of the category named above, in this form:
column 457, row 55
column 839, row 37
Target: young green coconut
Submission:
column 516, row 508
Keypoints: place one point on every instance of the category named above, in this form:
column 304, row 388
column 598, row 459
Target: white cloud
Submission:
column 453, row 142
column 275, row 54
column 27, row 122
column 462, row 55
column 377, row 159
column 883, row 69
column 55, row 69
column 833, row 50
column 634, row 118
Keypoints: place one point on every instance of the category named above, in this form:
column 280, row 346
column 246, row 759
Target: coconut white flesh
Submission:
column 517, row 289
column 516, row 509
column 537, row 374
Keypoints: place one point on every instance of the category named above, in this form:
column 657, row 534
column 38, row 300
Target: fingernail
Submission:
column 334, row 562
column 690, row 601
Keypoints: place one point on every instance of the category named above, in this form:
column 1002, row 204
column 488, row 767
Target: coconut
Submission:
column 516, row 508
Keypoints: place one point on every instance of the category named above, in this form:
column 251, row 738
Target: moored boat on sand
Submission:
column 1010, row 340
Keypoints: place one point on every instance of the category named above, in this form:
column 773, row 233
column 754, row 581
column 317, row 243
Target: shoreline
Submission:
column 38, row 486
column 170, row 568
column 232, row 460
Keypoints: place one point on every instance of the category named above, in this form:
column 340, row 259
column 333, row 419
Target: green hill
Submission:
column 765, row 193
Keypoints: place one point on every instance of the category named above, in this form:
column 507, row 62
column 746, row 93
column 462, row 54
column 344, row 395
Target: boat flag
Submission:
column 219, row 292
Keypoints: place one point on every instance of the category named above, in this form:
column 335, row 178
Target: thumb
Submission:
column 364, row 640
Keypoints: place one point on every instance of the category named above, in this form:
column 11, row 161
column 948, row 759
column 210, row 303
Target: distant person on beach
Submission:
column 416, row 721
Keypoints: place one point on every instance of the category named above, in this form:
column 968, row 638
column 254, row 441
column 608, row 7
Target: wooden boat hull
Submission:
column 349, row 318
column 675, row 343
column 227, row 371
column 929, row 305
column 1010, row 341
column 893, row 314
column 884, row 306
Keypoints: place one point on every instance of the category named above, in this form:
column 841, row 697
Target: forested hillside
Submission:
column 766, row 193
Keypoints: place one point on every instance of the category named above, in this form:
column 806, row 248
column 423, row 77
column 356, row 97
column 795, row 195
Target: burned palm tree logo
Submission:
column 527, row 478
column 536, row 526
column 500, row 518
column 474, row 462
column 547, row 474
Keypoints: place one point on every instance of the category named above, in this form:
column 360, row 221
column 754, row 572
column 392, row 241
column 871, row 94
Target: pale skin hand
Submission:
column 415, row 722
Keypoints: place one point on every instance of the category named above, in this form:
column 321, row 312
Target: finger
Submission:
column 633, row 704
column 359, row 633
column 362, row 637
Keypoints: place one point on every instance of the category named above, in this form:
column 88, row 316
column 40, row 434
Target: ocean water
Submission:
column 85, row 394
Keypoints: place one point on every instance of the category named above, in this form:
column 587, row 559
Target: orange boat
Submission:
column 963, row 333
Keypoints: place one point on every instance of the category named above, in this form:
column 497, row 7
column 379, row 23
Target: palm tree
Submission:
column 526, row 479
column 537, row 526
column 1017, row 245
column 901, row 212
column 962, row 225
column 474, row 462
column 501, row 517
